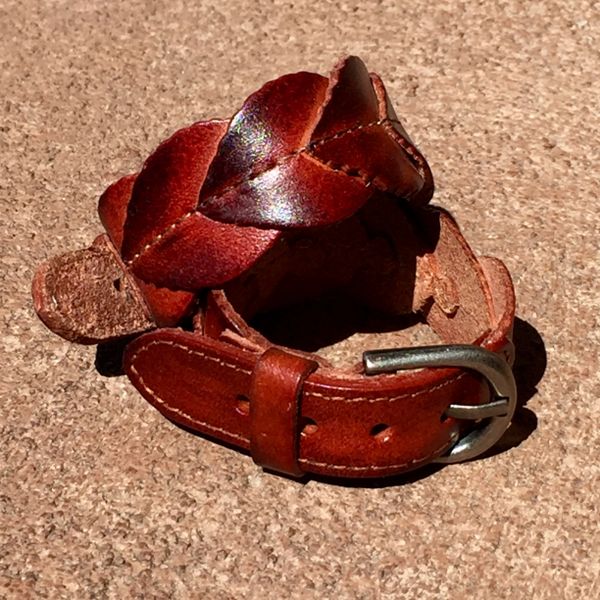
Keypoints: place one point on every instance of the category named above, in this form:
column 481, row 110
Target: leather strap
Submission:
column 313, row 188
column 359, row 426
column 275, row 395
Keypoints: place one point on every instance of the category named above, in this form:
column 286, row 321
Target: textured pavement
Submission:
column 100, row 497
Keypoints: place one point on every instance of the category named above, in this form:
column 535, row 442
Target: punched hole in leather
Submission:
column 275, row 394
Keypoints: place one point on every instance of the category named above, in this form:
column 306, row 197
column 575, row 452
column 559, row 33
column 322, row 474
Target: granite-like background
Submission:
column 100, row 497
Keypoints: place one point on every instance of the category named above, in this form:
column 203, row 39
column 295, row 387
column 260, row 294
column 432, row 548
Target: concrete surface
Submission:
column 100, row 497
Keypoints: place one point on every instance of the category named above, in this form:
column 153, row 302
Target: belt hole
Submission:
column 381, row 432
column 242, row 404
column 308, row 426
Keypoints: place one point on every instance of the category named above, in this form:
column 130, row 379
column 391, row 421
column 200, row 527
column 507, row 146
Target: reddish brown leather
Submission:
column 361, row 426
column 86, row 295
column 312, row 188
column 275, row 395
column 168, row 307
column 302, row 152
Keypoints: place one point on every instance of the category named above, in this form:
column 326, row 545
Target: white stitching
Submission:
column 344, row 132
column 190, row 351
column 158, row 399
column 388, row 398
column 281, row 160
column 315, row 463
column 188, row 417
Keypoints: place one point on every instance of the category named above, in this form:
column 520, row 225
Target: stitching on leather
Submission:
column 358, row 174
column 178, row 411
column 341, row 168
column 190, row 351
column 244, row 439
column 344, row 132
column 389, row 398
column 314, row 394
column 314, row 463
column 407, row 147
column 351, row 172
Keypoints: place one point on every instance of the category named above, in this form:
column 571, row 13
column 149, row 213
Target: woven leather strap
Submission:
column 313, row 188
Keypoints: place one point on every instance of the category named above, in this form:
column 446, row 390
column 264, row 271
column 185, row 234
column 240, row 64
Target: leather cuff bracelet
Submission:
column 312, row 190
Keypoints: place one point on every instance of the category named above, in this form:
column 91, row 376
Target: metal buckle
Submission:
column 494, row 368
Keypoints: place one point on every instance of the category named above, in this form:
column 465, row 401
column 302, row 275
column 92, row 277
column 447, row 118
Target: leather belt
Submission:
column 313, row 188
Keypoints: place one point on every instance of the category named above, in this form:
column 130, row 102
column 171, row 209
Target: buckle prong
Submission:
column 497, row 413
column 496, row 408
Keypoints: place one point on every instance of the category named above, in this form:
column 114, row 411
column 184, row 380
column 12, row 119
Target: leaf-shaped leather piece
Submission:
column 112, row 208
column 398, row 133
column 300, row 191
column 265, row 184
column 167, row 187
column 373, row 153
column 199, row 252
column 355, row 107
column 167, row 307
column 273, row 123
column 351, row 101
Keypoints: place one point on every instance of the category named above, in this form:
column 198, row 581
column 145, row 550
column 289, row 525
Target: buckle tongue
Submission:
column 498, row 412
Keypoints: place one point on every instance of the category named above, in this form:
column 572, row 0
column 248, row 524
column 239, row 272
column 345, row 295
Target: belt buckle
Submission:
column 494, row 368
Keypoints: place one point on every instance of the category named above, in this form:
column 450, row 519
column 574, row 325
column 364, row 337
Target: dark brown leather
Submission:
column 313, row 188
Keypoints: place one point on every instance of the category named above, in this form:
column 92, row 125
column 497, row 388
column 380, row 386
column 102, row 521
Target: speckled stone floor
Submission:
column 100, row 497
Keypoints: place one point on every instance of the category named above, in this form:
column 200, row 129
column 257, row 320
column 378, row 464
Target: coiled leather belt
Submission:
column 312, row 188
